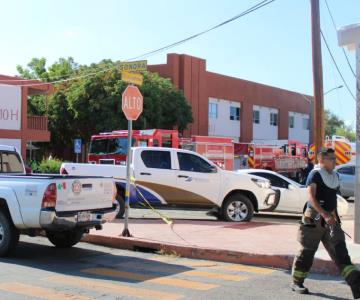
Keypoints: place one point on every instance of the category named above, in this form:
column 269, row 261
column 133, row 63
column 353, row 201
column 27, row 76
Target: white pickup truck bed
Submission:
column 65, row 207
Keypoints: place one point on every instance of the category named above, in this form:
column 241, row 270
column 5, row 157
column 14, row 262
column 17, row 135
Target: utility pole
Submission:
column 318, row 105
column 350, row 36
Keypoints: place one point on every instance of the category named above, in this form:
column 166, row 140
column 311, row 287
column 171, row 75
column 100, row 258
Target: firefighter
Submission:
column 320, row 222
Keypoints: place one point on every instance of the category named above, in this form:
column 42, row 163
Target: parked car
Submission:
column 293, row 196
column 347, row 179
column 183, row 178
column 64, row 207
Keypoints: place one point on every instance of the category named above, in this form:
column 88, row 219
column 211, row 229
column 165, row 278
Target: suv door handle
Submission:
column 148, row 174
column 183, row 176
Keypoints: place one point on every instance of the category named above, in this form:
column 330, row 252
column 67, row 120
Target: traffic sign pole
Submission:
column 132, row 106
column 126, row 231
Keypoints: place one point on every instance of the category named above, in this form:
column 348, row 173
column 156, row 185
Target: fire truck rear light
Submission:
column 49, row 198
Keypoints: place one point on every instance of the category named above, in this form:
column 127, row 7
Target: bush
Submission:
column 51, row 166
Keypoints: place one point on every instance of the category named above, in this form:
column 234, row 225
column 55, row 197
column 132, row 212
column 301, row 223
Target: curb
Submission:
column 273, row 261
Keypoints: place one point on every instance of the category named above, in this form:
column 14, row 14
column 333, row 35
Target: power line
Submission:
column 343, row 50
column 153, row 52
column 336, row 65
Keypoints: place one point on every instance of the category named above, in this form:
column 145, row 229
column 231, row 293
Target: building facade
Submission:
column 232, row 107
column 17, row 128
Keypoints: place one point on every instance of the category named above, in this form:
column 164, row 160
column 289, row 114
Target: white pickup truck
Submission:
column 182, row 178
column 64, row 207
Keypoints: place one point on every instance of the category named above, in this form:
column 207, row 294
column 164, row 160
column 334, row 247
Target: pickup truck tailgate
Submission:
column 84, row 193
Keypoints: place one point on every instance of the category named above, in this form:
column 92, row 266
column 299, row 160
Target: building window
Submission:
column 256, row 117
column 291, row 121
column 213, row 110
column 306, row 124
column 234, row 113
column 273, row 119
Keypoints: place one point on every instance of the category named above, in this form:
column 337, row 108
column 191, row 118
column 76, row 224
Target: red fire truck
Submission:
column 290, row 158
column 111, row 147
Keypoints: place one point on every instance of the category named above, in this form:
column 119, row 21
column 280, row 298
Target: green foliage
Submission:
column 49, row 166
column 92, row 104
column 335, row 126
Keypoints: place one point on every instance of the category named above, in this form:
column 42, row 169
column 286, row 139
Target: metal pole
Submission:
column 126, row 231
column 318, row 121
column 30, row 151
column 357, row 166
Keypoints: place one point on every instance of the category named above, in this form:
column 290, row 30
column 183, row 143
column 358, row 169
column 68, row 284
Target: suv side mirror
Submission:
column 291, row 187
column 213, row 169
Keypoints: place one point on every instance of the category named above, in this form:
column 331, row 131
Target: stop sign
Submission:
column 132, row 103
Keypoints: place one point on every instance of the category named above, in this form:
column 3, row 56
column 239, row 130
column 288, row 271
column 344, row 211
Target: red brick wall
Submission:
column 189, row 74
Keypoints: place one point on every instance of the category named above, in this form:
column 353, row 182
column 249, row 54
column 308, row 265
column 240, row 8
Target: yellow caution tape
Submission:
column 167, row 220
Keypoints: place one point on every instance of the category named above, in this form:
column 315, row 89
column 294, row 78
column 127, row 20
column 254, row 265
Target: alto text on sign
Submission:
column 132, row 103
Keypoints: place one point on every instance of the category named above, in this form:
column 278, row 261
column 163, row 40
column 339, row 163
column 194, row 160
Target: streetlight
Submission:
column 312, row 108
column 333, row 89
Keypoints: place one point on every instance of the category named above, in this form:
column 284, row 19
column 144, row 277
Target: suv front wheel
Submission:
column 237, row 208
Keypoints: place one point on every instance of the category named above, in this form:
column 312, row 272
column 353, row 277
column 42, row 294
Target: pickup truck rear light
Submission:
column 63, row 171
column 49, row 198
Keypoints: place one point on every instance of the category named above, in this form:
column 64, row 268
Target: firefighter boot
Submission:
column 354, row 282
column 299, row 288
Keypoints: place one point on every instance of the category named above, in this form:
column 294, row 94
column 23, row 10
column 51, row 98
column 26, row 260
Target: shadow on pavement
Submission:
column 72, row 261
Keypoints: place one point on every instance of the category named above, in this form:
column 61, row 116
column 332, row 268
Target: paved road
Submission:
column 40, row 271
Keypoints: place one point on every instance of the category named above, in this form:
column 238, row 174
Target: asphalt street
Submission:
column 40, row 271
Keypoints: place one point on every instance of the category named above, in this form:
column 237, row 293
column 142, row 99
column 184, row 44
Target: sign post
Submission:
column 77, row 148
column 350, row 36
column 132, row 106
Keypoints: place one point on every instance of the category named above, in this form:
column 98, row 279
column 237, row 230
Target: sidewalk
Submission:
column 257, row 243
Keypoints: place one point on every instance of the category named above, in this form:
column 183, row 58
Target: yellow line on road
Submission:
column 103, row 287
column 150, row 278
column 39, row 292
column 181, row 270
column 245, row 268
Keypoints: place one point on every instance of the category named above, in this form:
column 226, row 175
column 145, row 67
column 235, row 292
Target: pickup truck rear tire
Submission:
column 9, row 235
column 64, row 239
column 121, row 202
column 237, row 208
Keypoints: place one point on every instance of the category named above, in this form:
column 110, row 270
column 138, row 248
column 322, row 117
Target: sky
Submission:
column 271, row 45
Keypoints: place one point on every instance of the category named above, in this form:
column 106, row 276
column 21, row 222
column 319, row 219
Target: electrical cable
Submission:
column 343, row 50
column 153, row 52
column 336, row 65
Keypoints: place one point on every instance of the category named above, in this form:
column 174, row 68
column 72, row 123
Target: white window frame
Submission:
column 256, row 120
column 306, row 126
column 292, row 122
column 236, row 117
column 213, row 114
column 274, row 119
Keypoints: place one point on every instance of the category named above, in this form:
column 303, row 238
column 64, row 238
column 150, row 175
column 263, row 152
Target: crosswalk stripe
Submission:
column 181, row 270
column 39, row 292
column 150, row 278
column 166, row 259
column 245, row 268
column 113, row 288
column 230, row 267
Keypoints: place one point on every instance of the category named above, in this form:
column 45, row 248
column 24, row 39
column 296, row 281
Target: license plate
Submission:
column 84, row 216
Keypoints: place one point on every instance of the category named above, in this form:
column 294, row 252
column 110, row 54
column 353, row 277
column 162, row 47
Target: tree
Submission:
column 335, row 126
column 92, row 103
